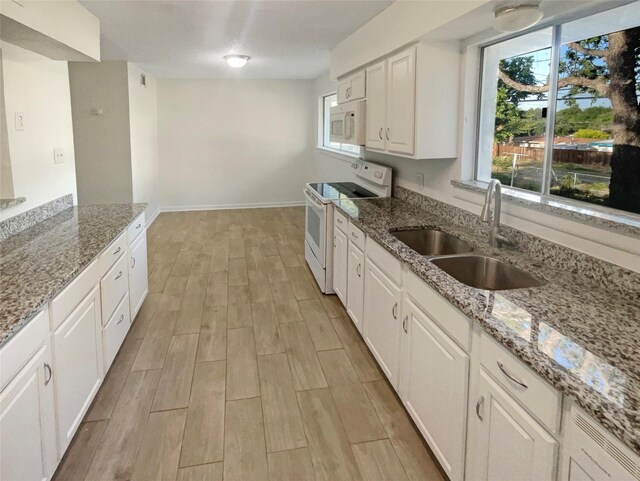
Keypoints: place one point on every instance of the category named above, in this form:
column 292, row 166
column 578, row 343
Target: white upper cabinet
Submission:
column 27, row 422
column 376, row 106
column 434, row 379
column 352, row 88
column 401, row 102
column 412, row 103
column 507, row 442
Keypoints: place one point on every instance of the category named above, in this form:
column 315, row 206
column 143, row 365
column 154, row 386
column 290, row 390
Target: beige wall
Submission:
column 102, row 142
column 234, row 143
column 143, row 119
column 39, row 88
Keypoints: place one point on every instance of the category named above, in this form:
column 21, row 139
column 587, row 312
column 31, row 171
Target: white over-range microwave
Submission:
column 347, row 123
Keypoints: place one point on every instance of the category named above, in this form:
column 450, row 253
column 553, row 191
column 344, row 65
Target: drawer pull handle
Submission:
column 117, row 251
column 359, row 270
column 511, row 376
column 339, row 220
column 121, row 319
column 404, row 324
column 48, row 373
column 138, row 226
column 354, row 235
column 479, row 406
column 394, row 311
column 133, row 261
column 119, row 275
column 388, row 134
column 380, row 133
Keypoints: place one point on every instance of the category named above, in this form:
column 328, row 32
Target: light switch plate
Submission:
column 58, row 155
column 19, row 120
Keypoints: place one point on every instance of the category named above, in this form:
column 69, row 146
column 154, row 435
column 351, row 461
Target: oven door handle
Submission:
column 311, row 198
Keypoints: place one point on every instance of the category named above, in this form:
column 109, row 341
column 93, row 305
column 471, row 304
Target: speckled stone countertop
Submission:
column 582, row 338
column 37, row 263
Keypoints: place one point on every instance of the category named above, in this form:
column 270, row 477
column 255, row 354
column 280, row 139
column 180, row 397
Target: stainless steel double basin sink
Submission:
column 457, row 258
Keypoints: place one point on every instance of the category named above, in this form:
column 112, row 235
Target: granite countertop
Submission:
column 582, row 338
column 37, row 263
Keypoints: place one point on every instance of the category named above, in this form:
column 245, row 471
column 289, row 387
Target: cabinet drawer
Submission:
column 19, row 349
column 385, row 261
column 136, row 227
column 454, row 323
column 521, row 382
column 340, row 221
column 115, row 331
column 65, row 302
column 112, row 253
column 356, row 236
column 114, row 286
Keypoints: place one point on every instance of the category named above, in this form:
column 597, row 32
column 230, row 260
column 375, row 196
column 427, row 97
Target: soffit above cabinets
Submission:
column 57, row 29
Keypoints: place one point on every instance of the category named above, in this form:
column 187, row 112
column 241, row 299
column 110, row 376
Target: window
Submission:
column 560, row 112
column 329, row 101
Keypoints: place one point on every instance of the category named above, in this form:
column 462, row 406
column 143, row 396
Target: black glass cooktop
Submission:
column 341, row 190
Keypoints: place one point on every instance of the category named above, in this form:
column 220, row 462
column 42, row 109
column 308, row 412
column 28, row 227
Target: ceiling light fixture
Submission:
column 237, row 61
column 513, row 18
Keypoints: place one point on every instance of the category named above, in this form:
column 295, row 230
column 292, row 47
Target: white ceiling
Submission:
column 187, row 39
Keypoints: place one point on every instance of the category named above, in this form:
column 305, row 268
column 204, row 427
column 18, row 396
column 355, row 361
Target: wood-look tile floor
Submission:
column 238, row 368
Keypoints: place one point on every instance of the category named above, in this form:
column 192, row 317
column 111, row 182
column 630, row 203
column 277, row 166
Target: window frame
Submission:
column 475, row 53
column 322, row 133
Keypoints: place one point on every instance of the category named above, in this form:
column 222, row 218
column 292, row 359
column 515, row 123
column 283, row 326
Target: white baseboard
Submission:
column 261, row 205
column 153, row 217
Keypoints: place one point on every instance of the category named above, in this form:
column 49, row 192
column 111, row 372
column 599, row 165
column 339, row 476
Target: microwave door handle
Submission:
column 346, row 126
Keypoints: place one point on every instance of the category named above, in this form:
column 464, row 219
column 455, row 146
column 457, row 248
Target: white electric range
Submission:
column 372, row 180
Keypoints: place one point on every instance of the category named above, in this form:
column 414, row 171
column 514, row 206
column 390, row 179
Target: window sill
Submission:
column 625, row 224
column 344, row 156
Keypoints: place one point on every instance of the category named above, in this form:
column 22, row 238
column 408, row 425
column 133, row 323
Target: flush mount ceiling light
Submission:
column 237, row 61
column 513, row 18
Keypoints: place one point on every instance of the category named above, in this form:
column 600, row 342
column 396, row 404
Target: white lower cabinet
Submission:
column 340, row 247
column 138, row 277
column 77, row 364
column 508, row 443
column 434, row 380
column 114, row 332
column 355, row 285
column 382, row 324
column 27, row 422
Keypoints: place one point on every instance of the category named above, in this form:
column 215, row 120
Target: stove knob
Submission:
column 378, row 175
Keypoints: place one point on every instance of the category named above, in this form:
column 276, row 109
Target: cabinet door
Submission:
column 340, row 246
column 27, row 422
column 434, row 382
column 357, row 85
column 355, row 285
column 343, row 89
column 508, row 442
column 376, row 106
column 382, row 325
column 401, row 102
column 77, row 358
column 138, row 277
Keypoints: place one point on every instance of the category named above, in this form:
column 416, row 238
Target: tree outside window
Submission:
column 593, row 154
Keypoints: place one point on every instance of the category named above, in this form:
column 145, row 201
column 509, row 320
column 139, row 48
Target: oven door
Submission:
column 315, row 226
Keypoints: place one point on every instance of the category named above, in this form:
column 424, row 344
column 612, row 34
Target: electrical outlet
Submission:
column 19, row 120
column 419, row 177
column 58, row 155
